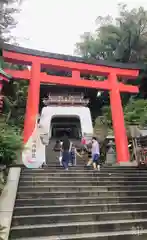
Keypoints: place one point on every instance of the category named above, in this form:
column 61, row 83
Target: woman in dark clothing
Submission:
column 66, row 153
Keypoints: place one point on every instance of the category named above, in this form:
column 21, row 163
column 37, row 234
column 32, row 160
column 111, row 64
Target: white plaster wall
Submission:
column 83, row 113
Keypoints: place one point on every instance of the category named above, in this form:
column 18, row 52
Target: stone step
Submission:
column 53, row 204
column 82, row 200
column 44, row 183
column 80, row 165
column 79, row 188
column 81, row 161
column 85, row 174
column 50, row 209
column 61, row 194
column 81, row 169
column 76, row 227
column 83, row 179
column 134, row 234
column 77, row 217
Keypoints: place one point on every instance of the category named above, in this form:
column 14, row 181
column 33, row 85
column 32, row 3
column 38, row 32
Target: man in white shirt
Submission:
column 95, row 152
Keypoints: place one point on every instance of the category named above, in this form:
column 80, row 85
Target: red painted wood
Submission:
column 13, row 57
column 23, row 74
column 1, row 97
column 104, row 85
column 118, row 121
column 76, row 75
column 61, row 64
column 74, row 81
column 1, row 86
column 32, row 102
column 127, row 88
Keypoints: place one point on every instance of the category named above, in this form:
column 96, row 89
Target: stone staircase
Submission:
column 82, row 204
column 51, row 156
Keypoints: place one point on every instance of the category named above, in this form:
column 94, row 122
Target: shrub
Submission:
column 10, row 143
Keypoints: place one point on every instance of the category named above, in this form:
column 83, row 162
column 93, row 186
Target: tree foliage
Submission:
column 10, row 143
column 15, row 103
column 7, row 20
column 135, row 112
column 121, row 39
column 10, row 135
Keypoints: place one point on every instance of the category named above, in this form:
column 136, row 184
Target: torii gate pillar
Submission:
column 32, row 101
column 119, row 129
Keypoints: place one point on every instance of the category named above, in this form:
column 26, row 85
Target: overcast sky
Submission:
column 56, row 25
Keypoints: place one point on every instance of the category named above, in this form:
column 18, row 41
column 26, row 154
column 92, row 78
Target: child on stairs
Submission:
column 73, row 155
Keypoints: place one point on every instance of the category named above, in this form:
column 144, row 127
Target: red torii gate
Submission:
column 38, row 59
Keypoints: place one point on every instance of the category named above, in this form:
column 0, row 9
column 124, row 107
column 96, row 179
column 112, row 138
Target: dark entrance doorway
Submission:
column 62, row 124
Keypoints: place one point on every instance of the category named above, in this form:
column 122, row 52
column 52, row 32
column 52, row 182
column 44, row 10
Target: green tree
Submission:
column 135, row 112
column 10, row 143
column 7, row 20
column 122, row 39
column 10, row 134
column 15, row 94
column 15, row 103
